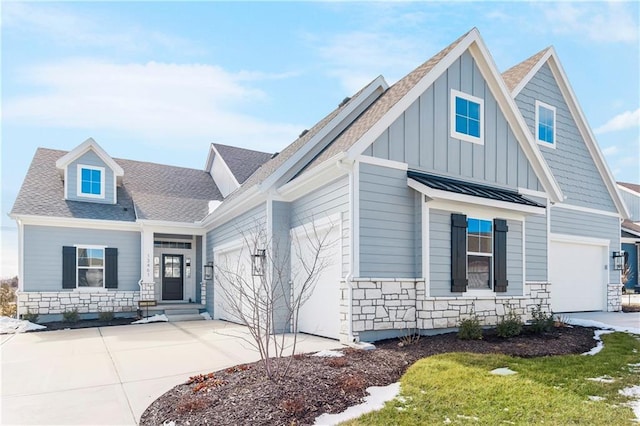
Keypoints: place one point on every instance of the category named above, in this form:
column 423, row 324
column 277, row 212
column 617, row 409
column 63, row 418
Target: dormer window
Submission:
column 90, row 181
column 545, row 124
column 467, row 117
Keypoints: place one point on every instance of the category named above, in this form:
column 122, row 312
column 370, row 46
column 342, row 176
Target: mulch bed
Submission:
column 62, row 325
column 317, row 385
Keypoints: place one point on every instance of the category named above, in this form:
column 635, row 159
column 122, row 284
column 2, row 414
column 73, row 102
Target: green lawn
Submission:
column 458, row 388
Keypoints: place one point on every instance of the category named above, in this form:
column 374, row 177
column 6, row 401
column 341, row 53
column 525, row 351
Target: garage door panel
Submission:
column 232, row 278
column 320, row 312
column 577, row 276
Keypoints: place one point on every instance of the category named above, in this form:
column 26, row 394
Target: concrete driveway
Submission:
column 110, row 375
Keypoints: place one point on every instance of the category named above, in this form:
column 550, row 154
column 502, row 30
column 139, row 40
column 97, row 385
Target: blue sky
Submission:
column 159, row 81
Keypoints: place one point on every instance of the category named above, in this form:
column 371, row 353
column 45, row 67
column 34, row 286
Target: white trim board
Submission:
column 382, row 162
column 84, row 147
column 578, row 239
column 584, row 209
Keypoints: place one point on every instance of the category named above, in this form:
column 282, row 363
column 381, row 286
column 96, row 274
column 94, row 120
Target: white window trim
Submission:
column 91, row 247
column 553, row 109
column 79, row 192
column 452, row 117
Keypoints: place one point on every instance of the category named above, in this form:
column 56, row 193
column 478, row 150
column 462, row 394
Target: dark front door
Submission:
column 172, row 277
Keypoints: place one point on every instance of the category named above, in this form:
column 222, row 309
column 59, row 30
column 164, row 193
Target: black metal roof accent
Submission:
column 468, row 188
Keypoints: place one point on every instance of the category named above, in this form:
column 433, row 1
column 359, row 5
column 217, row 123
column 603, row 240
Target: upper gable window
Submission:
column 467, row 117
column 545, row 124
column 90, row 181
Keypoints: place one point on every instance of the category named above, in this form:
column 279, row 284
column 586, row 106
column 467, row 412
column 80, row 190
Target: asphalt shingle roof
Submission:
column 159, row 192
column 242, row 162
column 514, row 75
column 632, row 186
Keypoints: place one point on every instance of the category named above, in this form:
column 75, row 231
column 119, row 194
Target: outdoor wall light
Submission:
column 208, row 271
column 618, row 260
column 257, row 262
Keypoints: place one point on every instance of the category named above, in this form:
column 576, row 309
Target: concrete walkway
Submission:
column 628, row 321
column 110, row 375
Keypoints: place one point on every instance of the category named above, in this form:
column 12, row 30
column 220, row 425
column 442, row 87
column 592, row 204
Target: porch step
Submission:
column 185, row 311
column 184, row 317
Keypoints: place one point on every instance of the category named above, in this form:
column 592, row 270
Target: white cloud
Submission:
column 601, row 22
column 610, row 150
column 625, row 120
column 58, row 24
column 9, row 250
column 159, row 101
column 356, row 58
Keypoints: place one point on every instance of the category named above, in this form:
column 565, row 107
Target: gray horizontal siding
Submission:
column 421, row 135
column 326, row 201
column 633, row 204
column 571, row 222
column 387, row 223
column 571, row 163
column 440, row 255
column 90, row 158
column 536, row 247
column 43, row 254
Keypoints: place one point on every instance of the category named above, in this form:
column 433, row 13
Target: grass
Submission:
column 457, row 388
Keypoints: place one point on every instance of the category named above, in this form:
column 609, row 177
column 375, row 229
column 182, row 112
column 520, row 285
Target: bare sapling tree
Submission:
column 258, row 286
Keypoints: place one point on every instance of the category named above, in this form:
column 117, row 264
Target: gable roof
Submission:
column 517, row 73
column 550, row 57
column 630, row 227
column 241, row 161
column 631, row 186
column 148, row 191
column 402, row 94
column 84, row 147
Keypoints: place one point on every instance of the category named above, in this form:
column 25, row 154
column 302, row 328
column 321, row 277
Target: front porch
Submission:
column 175, row 311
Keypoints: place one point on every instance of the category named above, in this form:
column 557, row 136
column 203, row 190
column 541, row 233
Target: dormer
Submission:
column 90, row 174
column 230, row 166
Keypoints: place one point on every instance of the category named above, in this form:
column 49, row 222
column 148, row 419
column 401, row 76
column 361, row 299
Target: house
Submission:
column 630, row 233
column 91, row 227
column 456, row 190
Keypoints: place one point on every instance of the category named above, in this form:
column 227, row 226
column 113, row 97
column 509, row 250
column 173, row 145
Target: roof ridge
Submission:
column 514, row 75
column 239, row 147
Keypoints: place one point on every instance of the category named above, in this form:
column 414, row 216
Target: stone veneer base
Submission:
column 57, row 302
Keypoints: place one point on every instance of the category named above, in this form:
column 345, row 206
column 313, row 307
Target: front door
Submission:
column 172, row 284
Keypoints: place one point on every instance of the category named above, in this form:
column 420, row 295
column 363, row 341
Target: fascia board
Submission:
column 84, row 147
column 249, row 199
column 587, row 134
column 378, row 83
column 628, row 190
column 172, row 227
column 315, row 178
column 70, row 222
column 533, row 71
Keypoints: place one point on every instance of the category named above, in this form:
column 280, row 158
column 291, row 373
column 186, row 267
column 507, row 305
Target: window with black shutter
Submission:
column 500, row 255
column 458, row 253
column 68, row 267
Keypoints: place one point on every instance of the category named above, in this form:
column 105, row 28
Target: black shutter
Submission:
column 111, row 268
column 68, row 267
column 458, row 253
column 500, row 229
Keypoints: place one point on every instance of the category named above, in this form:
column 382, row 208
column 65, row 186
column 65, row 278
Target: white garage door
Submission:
column 577, row 275
column 320, row 314
column 233, row 268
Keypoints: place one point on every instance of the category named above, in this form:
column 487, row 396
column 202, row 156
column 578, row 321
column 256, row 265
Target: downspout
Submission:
column 349, row 277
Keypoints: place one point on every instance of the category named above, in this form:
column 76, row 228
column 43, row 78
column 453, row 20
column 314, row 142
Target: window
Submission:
column 90, row 181
column 172, row 244
column 90, row 267
column 479, row 253
column 545, row 124
column 467, row 115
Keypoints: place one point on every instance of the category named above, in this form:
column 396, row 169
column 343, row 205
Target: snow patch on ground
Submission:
column 602, row 379
column 155, row 318
column 503, row 371
column 206, row 315
column 328, row 354
column 10, row 325
column 599, row 345
column 376, row 399
column 591, row 323
column 596, row 398
column 633, row 392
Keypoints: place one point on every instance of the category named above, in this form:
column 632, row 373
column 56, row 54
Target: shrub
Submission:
column 337, row 362
column 541, row 321
column 470, row 328
column 7, row 300
column 106, row 316
column 294, row 406
column 351, row 383
column 510, row 325
column 410, row 337
column 71, row 316
column 189, row 404
column 30, row 316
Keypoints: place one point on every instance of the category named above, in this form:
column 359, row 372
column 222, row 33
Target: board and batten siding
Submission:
column 89, row 158
column 43, row 254
column 633, row 204
column 388, row 231
column 440, row 255
column 232, row 231
column 326, row 201
column 421, row 136
column 593, row 225
column 570, row 161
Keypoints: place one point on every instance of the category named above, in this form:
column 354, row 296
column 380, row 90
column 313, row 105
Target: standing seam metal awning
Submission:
column 468, row 188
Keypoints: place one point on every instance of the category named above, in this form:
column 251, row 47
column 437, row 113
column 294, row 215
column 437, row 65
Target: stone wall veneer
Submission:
column 57, row 302
column 401, row 304
column 147, row 290
column 614, row 297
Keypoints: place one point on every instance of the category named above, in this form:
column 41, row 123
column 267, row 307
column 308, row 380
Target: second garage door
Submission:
column 578, row 276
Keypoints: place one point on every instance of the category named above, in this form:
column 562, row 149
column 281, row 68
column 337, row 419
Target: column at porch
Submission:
column 147, row 284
